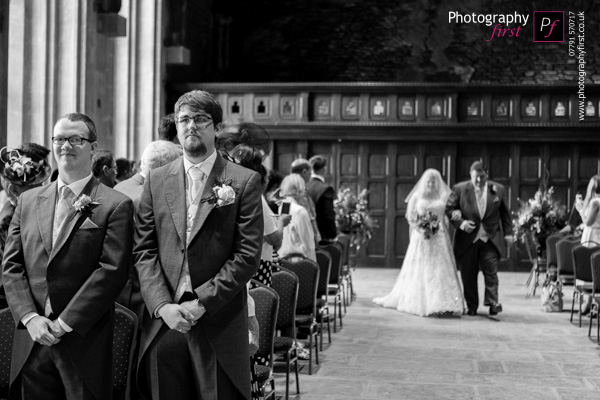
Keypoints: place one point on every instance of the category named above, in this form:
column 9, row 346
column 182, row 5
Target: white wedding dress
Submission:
column 428, row 282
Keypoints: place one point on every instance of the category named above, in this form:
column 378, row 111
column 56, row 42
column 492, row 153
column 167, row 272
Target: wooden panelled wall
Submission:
column 390, row 169
column 382, row 136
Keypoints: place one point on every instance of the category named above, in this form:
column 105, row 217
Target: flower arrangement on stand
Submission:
column 533, row 222
column 352, row 216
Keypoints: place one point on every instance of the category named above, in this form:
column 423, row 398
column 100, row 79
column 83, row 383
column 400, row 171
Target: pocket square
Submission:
column 88, row 224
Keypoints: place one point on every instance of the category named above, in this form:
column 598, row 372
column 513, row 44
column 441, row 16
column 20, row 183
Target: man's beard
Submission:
column 194, row 147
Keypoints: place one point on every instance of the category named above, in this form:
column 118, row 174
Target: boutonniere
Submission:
column 493, row 189
column 85, row 203
column 222, row 194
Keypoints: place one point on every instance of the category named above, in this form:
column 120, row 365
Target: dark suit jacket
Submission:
column 82, row 274
column 496, row 221
column 323, row 196
column 223, row 254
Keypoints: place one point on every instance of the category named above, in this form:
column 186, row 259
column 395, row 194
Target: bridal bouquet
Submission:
column 428, row 223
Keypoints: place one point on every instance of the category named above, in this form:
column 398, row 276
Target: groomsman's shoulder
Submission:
column 110, row 194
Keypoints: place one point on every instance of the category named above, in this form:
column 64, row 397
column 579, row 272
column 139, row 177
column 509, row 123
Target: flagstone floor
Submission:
column 525, row 353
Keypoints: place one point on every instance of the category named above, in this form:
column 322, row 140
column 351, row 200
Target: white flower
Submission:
column 224, row 195
column 84, row 203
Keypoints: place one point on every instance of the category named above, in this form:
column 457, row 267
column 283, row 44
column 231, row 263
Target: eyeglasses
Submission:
column 73, row 140
column 201, row 121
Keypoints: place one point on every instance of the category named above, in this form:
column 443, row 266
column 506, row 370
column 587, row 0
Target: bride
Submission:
column 428, row 282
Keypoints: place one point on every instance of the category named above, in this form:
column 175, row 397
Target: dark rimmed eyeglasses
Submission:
column 73, row 140
column 201, row 121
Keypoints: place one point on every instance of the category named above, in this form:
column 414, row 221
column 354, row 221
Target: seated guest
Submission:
column 124, row 169
column 104, row 167
column 298, row 236
column 15, row 181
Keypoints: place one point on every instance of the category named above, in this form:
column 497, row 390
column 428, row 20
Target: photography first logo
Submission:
column 500, row 22
column 549, row 26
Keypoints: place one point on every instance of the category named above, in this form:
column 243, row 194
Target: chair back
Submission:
column 7, row 331
column 125, row 334
column 582, row 265
column 266, row 301
column 344, row 240
column 324, row 261
column 335, row 251
column 285, row 283
column 595, row 261
column 307, row 272
column 551, row 257
column 564, row 256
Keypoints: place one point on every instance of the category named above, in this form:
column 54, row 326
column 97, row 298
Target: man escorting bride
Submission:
column 428, row 283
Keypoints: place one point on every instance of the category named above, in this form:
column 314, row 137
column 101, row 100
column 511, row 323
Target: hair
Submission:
column 318, row 162
column 167, row 129
column 292, row 185
column 54, row 175
column 299, row 165
column 249, row 157
column 124, row 168
column 75, row 117
column 157, row 154
column 477, row 166
column 592, row 190
column 101, row 158
column 274, row 180
column 201, row 100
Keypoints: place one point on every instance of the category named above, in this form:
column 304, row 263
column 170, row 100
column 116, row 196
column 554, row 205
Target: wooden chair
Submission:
column 307, row 272
column 285, row 283
column 324, row 262
column 7, row 330
column 125, row 335
column 266, row 302
column 583, row 275
column 594, row 311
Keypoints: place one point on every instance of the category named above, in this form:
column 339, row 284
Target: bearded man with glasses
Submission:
column 66, row 260
column 198, row 242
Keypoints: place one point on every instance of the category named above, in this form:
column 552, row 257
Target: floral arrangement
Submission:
column 427, row 223
column 222, row 194
column 22, row 168
column 538, row 218
column 352, row 216
column 84, row 203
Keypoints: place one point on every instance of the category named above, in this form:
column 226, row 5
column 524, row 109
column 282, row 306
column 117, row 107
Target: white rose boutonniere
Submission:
column 85, row 203
column 222, row 194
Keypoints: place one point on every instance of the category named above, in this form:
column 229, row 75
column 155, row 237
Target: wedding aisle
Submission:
column 384, row 354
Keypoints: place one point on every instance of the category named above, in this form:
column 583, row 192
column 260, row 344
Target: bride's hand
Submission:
column 456, row 215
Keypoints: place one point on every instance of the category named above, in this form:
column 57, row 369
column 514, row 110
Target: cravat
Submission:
column 197, row 177
column 479, row 195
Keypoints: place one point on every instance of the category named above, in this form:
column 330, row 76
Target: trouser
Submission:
column 480, row 256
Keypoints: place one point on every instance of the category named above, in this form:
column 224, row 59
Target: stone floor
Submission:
column 525, row 353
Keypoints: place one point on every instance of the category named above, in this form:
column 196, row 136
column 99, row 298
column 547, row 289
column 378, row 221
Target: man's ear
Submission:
column 105, row 170
column 218, row 129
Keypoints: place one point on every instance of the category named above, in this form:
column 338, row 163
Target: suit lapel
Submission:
column 45, row 209
column 205, row 207
column 175, row 194
column 71, row 219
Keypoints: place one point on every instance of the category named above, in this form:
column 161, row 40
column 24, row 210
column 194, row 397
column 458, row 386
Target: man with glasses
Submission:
column 104, row 167
column 66, row 260
column 198, row 242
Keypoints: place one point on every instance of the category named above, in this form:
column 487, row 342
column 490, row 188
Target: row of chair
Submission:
column 577, row 264
column 302, row 292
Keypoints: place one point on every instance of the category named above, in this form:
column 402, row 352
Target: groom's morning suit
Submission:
column 81, row 275
column 484, row 246
column 222, row 247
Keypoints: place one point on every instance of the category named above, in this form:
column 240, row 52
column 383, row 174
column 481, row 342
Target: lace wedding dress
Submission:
column 428, row 282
